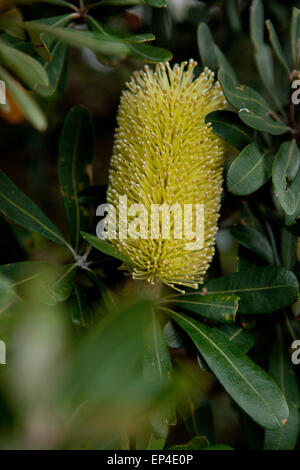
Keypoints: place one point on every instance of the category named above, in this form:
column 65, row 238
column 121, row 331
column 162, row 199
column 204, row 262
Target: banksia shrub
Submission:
column 165, row 153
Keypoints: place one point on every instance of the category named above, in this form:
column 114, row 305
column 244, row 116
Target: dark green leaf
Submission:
column 149, row 53
column 257, row 23
column 197, row 443
column 81, row 311
column 156, row 3
column 276, row 44
column 239, row 336
column 295, row 34
column 11, row 21
column 197, row 417
column 7, row 294
column 206, row 46
column 288, row 249
column 262, row 52
column 107, row 296
column 285, row 167
column 52, row 283
column 224, row 64
column 249, row 171
column 254, row 241
column 221, row 308
column 253, row 390
column 105, row 247
column 62, row 3
column 22, row 210
column 60, row 289
column 253, row 109
column 78, row 38
column 233, row 13
column 108, row 33
column 122, row 2
column 261, row 290
column 227, row 125
column 218, row 447
column 54, row 69
column 172, row 336
column 37, row 30
column 149, row 442
column 157, row 370
column 281, row 369
column 76, row 147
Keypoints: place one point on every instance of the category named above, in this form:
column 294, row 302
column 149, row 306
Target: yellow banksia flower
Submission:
column 165, row 153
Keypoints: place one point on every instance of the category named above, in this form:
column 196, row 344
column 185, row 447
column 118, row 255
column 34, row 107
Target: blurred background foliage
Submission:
column 96, row 397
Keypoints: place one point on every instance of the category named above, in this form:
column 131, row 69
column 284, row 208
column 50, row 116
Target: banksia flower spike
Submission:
column 165, row 153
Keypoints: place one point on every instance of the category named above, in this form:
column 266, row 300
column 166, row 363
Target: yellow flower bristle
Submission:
column 164, row 152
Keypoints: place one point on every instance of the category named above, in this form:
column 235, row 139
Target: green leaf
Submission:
column 172, row 336
column 105, row 247
column 290, row 219
column 197, row 443
column 211, row 55
column 220, row 308
column 29, row 70
column 79, row 38
column 76, row 147
column 218, row 447
column 23, row 272
column 157, row 369
column 156, row 3
column 122, row 2
column 229, row 127
column 295, row 34
column 265, row 66
column 37, row 30
column 261, row 290
column 107, row 296
column 148, row 53
column 262, row 52
column 276, row 45
column 81, row 311
column 257, row 23
column 285, row 167
column 60, row 289
column 31, row 110
column 52, row 283
column 62, row 3
column 288, row 249
column 242, row 338
column 253, row 109
column 110, row 34
column 282, row 371
column 11, row 22
column 114, row 344
column 7, row 294
column 151, row 3
column 149, row 442
column 54, row 69
column 22, row 210
column 254, row 241
column 206, row 46
column 249, row 171
column 224, row 64
column 252, row 389
column 197, row 416
column 233, row 13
